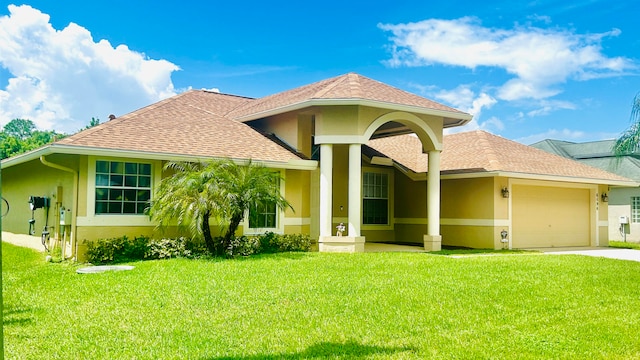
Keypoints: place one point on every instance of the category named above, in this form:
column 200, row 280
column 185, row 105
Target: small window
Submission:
column 635, row 209
column 122, row 187
column 375, row 202
column 263, row 216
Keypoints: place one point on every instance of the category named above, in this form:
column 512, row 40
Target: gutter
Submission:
column 74, row 206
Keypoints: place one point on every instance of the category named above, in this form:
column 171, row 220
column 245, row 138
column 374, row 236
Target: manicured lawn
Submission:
column 338, row 306
column 624, row 245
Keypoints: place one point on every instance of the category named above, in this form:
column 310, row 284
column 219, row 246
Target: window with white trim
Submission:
column 263, row 216
column 375, row 198
column 635, row 209
column 122, row 187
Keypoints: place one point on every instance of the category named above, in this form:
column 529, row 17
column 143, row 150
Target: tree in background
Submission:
column 196, row 192
column 21, row 135
column 92, row 123
column 19, row 128
column 629, row 141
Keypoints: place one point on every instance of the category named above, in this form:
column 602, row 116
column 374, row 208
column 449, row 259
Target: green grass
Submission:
column 336, row 306
column 624, row 245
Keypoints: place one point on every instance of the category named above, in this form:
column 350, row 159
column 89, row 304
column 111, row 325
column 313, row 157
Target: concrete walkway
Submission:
column 33, row 242
column 611, row 253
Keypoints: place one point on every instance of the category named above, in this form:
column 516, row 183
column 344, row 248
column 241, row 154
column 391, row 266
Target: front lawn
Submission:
column 313, row 305
column 624, row 245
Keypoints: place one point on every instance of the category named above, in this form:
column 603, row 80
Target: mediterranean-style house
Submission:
column 623, row 202
column 350, row 149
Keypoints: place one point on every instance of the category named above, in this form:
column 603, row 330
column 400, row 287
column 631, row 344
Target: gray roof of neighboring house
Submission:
column 595, row 153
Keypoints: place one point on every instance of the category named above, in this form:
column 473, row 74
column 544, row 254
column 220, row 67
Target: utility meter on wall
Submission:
column 623, row 220
column 65, row 216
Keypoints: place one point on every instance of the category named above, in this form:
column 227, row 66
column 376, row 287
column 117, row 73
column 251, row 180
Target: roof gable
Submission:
column 345, row 87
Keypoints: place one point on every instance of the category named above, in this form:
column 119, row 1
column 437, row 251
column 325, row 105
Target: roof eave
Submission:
column 26, row 157
column 516, row 175
column 292, row 164
column 456, row 118
column 544, row 177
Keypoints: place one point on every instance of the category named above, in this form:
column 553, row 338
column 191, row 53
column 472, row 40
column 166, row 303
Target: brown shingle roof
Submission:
column 191, row 123
column 480, row 151
column 348, row 86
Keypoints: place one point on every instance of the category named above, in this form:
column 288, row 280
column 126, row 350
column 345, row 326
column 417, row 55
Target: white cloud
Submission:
column 492, row 125
column 62, row 78
column 539, row 60
column 548, row 106
column 564, row 134
column 465, row 99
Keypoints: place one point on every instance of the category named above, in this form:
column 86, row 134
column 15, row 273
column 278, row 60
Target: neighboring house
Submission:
column 350, row 150
column 623, row 202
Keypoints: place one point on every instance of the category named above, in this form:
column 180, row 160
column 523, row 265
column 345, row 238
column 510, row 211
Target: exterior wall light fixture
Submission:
column 505, row 192
column 605, row 197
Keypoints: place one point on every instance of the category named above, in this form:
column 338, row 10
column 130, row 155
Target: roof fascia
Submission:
column 293, row 164
column 423, row 177
column 542, row 177
column 462, row 118
column 26, row 157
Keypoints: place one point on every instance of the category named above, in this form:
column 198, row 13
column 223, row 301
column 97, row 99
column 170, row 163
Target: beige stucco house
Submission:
column 350, row 150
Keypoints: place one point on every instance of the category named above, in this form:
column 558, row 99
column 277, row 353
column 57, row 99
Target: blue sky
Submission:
column 525, row 70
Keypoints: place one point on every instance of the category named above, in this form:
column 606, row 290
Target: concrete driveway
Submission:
column 611, row 253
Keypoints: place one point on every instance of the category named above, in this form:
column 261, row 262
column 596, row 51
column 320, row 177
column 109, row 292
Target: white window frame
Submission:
column 93, row 219
column 635, row 209
column 123, row 188
column 390, row 198
column 279, row 229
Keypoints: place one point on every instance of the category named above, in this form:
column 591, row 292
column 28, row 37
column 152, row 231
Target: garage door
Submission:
column 550, row 217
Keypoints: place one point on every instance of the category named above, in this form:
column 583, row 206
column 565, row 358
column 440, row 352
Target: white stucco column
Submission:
column 326, row 189
column 433, row 240
column 355, row 185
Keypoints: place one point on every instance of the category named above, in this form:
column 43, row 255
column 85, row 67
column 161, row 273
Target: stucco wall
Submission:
column 34, row 178
column 620, row 205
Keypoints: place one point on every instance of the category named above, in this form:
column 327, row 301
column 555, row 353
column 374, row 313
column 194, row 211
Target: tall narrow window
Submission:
column 375, row 202
column 122, row 187
column 635, row 209
column 264, row 215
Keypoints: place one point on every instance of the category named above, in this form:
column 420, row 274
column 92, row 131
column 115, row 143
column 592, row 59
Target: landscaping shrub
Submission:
column 272, row 243
column 121, row 249
column 268, row 242
column 118, row 249
column 242, row 246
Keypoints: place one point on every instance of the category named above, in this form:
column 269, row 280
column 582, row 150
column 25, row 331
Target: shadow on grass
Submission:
column 349, row 350
column 16, row 315
column 458, row 250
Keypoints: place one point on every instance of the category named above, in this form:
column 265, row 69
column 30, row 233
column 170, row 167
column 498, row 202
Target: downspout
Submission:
column 74, row 206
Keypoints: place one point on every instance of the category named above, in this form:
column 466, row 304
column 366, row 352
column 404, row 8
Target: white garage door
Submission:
column 550, row 216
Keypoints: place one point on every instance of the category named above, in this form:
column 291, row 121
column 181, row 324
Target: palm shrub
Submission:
column 196, row 192
column 629, row 140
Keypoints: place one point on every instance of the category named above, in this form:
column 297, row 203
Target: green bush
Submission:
column 243, row 246
column 118, row 249
column 172, row 248
column 268, row 243
column 122, row 249
column 272, row 243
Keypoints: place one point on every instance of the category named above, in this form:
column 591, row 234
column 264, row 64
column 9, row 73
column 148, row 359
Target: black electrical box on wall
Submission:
column 37, row 202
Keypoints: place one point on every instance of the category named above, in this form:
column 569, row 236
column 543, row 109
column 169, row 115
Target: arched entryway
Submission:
column 385, row 123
